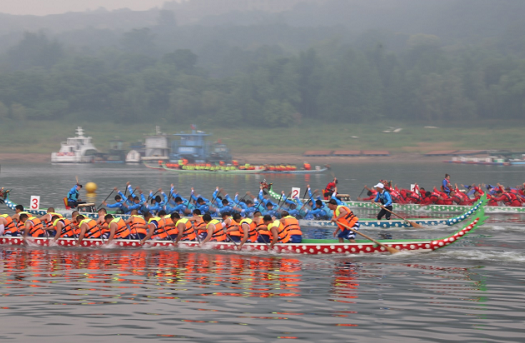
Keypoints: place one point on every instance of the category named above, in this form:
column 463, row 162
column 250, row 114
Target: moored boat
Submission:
column 308, row 246
column 207, row 171
column 77, row 149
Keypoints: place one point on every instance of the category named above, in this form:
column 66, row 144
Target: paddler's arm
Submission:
column 211, row 229
column 245, row 230
column 59, row 227
column 151, row 230
column 112, row 230
column 180, row 228
column 83, row 229
column 275, row 236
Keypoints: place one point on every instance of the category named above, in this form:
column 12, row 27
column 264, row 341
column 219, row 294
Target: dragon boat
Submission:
column 212, row 172
column 365, row 222
column 308, row 246
column 420, row 208
column 301, row 171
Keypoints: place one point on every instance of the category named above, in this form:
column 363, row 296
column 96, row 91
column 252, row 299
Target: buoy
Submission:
column 91, row 187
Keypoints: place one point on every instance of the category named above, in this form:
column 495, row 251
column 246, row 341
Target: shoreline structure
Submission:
column 264, row 158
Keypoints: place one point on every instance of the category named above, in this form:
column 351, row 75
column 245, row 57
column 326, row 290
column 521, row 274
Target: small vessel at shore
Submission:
column 77, row 149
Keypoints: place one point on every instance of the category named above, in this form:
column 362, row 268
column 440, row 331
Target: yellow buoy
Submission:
column 91, row 187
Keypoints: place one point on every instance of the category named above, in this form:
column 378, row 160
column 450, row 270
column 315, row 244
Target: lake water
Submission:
column 472, row 291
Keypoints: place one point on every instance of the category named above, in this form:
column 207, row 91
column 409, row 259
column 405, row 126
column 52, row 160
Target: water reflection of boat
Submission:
column 308, row 246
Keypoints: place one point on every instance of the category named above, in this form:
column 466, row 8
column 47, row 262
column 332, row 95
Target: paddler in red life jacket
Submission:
column 507, row 198
column 307, row 166
column 330, row 188
column 371, row 194
column 343, row 215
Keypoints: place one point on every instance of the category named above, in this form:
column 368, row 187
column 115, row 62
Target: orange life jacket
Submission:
column 122, row 230
column 349, row 220
column 136, row 221
column 189, row 233
column 252, row 233
column 11, row 227
column 200, row 226
column 283, row 235
column 262, row 232
column 67, row 229
column 218, row 234
column 37, row 228
column 93, row 230
column 233, row 228
column 164, row 231
column 292, row 224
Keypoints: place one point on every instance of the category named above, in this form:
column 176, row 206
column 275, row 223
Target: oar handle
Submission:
column 106, row 198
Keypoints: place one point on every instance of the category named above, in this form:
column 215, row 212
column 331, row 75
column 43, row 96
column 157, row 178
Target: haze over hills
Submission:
column 269, row 62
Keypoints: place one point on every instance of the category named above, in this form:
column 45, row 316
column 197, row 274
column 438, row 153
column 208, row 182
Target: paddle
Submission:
column 414, row 225
column 305, row 201
column 389, row 249
column 105, row 200
column 361, row 192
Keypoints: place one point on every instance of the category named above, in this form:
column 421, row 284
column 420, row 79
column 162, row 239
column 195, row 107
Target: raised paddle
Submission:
column 414, row 225
column 389, row 249
column 106, row 199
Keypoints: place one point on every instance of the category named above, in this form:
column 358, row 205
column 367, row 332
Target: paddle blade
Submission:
column 415, row 225
column 391, row 250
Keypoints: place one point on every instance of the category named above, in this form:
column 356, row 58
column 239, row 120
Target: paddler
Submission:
column 446, row 186
column 386, row 200
column 63, row 227
column 117, row 228
column 292, row 224
column 330, row 188
column 32, row 226
column 343, row 215
column 279, row 233
column 73, row 198
column 89, row 229
column 185, row 229
column 119, row 205
column 248, row 229
column 8, row 226
column 215, row 230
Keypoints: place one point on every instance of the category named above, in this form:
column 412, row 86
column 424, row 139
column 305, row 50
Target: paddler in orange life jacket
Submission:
column 343, row 215
column 118, row 229
column 215, row 230
column 63, row 227
column 32, row 226
column 307, row 166
column 278, row 232
column 247, row 228
column 292, row 224
column 7, row 226
column 185, row 229
column 88, row 229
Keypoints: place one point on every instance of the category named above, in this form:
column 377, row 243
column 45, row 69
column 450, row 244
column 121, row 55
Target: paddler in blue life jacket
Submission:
column 119, row 204
column 386, row 200
column 180, row 207
column 175, row 195
column 73, row 198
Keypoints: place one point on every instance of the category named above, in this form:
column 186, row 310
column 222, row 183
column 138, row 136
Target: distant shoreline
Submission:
column 265, row 158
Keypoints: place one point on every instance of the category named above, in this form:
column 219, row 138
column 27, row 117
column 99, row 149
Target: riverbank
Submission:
column 265, row 158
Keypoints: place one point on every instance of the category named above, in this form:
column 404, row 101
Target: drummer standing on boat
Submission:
column 386, row 201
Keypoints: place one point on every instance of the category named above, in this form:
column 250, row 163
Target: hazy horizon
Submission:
column 42, row 8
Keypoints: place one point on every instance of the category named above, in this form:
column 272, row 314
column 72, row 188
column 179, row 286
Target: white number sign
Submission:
column 295, row 192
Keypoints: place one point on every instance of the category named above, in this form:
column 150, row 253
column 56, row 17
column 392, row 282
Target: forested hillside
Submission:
column 327, row 60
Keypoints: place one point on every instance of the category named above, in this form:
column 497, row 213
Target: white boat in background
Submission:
column 77, row 149
column 133, row 157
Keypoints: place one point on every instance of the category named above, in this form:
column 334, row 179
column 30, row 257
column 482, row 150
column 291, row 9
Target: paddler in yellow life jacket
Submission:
column 215, row 230
column 343, row 215
column 155, row 225
column 278, row 232
column 248, row 229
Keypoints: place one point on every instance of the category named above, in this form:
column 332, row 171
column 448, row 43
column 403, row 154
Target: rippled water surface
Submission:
column 472, row 291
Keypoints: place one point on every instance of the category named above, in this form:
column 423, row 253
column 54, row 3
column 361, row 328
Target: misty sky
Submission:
column 43, row 7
